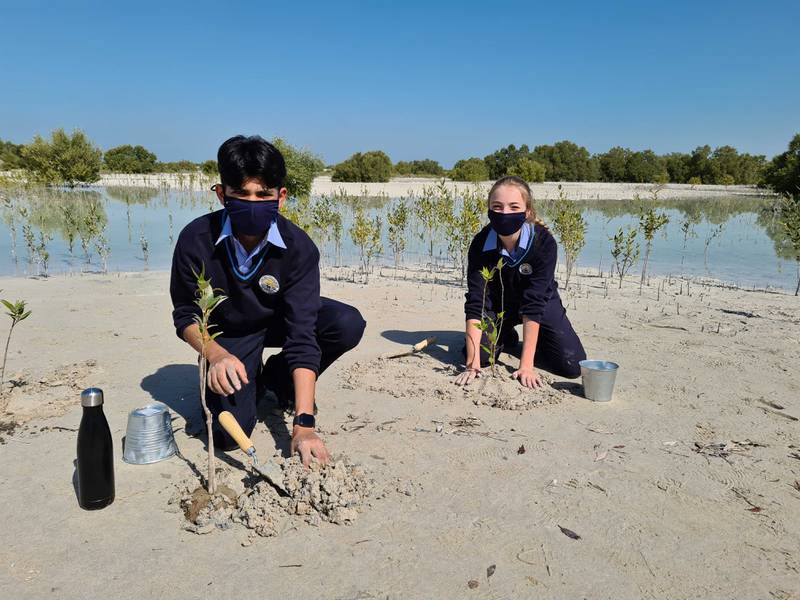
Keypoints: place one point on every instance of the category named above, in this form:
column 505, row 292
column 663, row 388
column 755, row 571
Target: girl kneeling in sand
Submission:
column 528, row 294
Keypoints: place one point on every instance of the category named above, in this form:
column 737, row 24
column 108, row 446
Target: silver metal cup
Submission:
column 149, row 437
column 598, row 379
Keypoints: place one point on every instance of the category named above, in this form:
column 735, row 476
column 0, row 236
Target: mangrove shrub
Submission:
column 64, row 159
column 373, row 166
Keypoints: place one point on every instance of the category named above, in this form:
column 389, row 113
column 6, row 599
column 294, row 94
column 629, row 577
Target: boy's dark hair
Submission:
column 241, row 158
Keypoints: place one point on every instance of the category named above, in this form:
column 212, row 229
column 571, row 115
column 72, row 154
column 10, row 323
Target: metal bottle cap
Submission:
column 92, row 397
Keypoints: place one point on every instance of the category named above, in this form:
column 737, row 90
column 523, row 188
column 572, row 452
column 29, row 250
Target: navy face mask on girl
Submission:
column 506, row 223
column 251, row 218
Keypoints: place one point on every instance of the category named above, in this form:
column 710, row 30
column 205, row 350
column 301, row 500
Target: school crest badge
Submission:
column 525, row 269
column 269, row 284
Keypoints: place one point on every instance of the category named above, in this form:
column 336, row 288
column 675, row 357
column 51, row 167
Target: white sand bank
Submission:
column 661, row 511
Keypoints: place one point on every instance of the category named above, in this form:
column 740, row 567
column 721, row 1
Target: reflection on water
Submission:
column 123, row 229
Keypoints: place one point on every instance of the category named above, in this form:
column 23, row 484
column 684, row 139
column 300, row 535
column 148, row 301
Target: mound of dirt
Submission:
column 25, row 396
column 333, row 493
column 400, row 378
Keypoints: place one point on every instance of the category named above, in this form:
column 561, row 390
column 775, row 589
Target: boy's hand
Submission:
column 307, row 443
column 226, row 374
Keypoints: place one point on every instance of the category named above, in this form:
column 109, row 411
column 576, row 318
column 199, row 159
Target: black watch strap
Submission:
column 304, row 420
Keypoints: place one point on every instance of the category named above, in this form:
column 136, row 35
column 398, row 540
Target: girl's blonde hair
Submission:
column 524, row 189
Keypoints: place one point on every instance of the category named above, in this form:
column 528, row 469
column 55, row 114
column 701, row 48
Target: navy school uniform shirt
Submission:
column 280, row 288
column 528, row 274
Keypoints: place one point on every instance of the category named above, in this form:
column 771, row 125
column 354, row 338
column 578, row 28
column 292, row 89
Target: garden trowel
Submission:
column 269, row 470
column 415, row 348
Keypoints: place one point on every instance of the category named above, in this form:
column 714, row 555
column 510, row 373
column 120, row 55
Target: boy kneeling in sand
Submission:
column 269, row 270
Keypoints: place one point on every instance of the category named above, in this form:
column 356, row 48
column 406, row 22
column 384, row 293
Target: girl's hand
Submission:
column 467, row 376
column 528, row 377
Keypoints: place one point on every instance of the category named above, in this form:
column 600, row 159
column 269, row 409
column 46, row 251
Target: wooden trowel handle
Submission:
column 231, row 425
column 424, row 343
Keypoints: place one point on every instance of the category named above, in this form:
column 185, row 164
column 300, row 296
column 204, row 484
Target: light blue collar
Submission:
column 525, row 237
column 273, row 234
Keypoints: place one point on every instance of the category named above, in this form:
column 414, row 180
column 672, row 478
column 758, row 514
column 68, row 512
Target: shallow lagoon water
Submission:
column 736, row 232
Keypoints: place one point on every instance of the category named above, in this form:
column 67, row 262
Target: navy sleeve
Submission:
column 474, row 295
column 182, row 286
column 539, row 286
column 301, row 303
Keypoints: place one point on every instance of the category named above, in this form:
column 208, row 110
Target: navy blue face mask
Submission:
column 506, row 223
column 251, row 218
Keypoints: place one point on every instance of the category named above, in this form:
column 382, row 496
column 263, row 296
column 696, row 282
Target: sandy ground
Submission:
column 684, row 486
column 404, row 186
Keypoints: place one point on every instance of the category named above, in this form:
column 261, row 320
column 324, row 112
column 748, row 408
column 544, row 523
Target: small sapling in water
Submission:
column 42, row 255
column 625, row 251
column 103, row 250
column 366, row 235
column 398, row 222
column 570, row 226
column 145, row 249
column 462, row 226
column 650, row 222
column 789, row 218
column 712, row 233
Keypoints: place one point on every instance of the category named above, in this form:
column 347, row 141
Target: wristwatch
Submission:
column 304, row 420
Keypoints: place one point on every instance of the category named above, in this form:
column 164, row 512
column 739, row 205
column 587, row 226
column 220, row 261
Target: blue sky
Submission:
column 442, row 80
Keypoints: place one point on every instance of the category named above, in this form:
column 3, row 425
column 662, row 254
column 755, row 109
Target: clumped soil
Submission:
column 402, row 378
column 334, row 493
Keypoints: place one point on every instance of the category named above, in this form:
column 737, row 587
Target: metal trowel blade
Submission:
column 271, row 473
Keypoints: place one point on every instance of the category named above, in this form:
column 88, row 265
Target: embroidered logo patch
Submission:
column 525, row 269
column 269, row 284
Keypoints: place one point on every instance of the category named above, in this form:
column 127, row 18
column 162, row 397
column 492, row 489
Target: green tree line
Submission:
column 567, row 161
column 72, row 158
column 68, row 159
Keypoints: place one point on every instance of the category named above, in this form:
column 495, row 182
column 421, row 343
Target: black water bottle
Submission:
column 95, row 454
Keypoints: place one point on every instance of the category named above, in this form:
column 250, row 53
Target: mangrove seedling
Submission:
column 625, row 251
column 70, row 227
column 460, row 227
column 171, row 229
column 17, row 313
column 42, row 255
column 570, row 226
column 712, row 233
column 30, row 241
column 10, row 217
column 433, row 210
column 650, row 222
column 207, row 300
column 789, row 218
column 145, row 249
column 298, row 211
column 91, row 227
column 398, row 222
column 366, row 235
column 687, row 227
column 491, row 326
column 326, row 222
column 103, row 250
